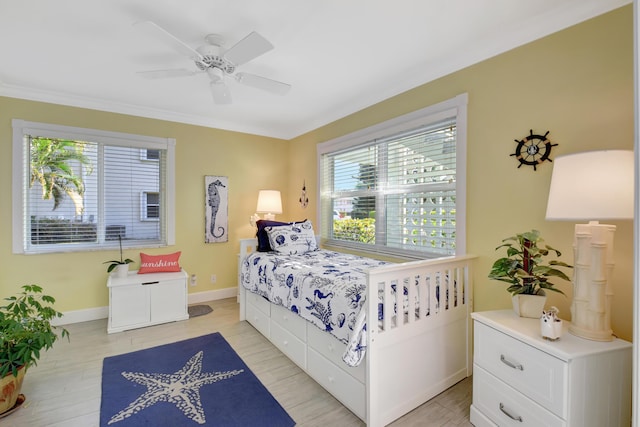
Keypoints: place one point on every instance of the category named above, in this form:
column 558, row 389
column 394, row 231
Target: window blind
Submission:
column 96, row 200
column 394, row 194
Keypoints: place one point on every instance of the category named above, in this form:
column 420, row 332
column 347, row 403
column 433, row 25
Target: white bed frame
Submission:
column 406, row 364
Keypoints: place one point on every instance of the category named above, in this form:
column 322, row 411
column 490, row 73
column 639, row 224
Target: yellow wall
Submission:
column 78, row 280
column 578, row 85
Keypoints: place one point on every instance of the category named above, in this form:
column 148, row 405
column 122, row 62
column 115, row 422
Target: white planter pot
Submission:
column 529, row 305
column 121, row 271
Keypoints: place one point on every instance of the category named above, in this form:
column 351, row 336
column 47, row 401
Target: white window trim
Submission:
column 20, row 182
column 457, row 107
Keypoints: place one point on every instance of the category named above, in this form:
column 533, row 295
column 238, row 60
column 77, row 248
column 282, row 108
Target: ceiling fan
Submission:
column 217, row 62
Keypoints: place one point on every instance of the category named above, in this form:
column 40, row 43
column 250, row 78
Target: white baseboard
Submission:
column 198, row 297
column 84, row 315
column 88, row 314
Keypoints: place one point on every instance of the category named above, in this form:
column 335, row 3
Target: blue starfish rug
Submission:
column 200, row 381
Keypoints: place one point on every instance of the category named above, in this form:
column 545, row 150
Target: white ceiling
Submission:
column 339, row 55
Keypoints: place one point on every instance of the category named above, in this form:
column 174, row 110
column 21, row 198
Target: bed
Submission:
column 406, row 359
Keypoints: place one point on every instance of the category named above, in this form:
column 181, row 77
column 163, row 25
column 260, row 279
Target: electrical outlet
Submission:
column 213, row 278
column 193, row 280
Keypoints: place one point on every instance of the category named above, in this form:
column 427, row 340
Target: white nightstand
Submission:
column 521, row 379
column 140, row 300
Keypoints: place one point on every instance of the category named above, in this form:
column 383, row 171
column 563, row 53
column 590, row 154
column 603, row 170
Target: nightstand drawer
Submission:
column 534, row 373
column 505, row 406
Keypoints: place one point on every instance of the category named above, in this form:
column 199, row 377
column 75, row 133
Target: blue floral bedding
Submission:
column 326, row 288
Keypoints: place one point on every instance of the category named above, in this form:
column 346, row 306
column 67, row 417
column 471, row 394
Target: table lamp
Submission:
column 269, row 204
column 592, row 186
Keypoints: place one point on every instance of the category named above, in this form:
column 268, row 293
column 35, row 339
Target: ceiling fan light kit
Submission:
column 220, row 92
column 216, row 62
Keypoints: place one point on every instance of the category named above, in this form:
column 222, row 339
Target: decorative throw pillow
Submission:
column 159, row 263
column 292, row 239
column 263, row 239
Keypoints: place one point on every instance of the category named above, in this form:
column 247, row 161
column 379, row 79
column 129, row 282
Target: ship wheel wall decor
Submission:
column 533, row 149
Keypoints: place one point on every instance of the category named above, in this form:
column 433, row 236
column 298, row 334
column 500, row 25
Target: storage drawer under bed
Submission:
column 290, row 321
column 259, row 302
column 329, row 347
column 345, row 388
column 258, row 319
column 289, row 344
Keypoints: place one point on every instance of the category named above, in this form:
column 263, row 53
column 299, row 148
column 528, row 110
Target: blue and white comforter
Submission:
column 326, row 288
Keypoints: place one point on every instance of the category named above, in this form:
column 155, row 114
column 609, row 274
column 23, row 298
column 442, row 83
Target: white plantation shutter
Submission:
column 128, row 192
column 397, row 191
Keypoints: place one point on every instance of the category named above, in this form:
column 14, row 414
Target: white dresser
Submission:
column 520, row 379
column 140, row 300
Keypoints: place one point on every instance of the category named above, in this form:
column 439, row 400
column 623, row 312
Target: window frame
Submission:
column 20, row 181
column 454, row 107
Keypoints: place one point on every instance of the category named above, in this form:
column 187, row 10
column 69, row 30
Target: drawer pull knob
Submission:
column 150, row 283
column 513, row 417
column 286, row 342
column 511, row 364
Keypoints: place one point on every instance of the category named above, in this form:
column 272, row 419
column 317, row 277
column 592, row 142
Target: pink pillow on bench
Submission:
column 159, row 263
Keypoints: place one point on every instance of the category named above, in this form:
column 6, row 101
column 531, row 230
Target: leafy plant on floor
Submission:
column 26, row 330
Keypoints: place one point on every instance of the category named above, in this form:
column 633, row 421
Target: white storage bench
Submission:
column 140, row 300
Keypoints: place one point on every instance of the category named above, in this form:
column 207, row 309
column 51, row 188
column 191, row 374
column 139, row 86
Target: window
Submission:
column 150, row 154
column 150, row 205
column 397, row 188
column 78, row 189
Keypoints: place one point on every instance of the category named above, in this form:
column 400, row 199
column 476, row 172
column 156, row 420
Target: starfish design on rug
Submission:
column 181, row 388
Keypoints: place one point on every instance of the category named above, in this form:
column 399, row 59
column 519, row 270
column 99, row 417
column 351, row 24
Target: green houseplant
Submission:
column 524, row 267
column 25, row 330
column 113, row 264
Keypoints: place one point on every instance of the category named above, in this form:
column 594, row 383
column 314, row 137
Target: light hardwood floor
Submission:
column 64, row 389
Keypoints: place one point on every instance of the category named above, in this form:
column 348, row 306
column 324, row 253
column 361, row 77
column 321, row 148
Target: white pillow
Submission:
column 293, row 238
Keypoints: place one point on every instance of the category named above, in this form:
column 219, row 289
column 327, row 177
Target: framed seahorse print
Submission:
column 216, row 220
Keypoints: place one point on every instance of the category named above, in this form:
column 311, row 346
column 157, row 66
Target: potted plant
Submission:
column 25, row 330
column 120, row 266
column 527, row 274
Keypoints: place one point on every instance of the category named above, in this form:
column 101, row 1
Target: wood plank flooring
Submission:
column 64, row 389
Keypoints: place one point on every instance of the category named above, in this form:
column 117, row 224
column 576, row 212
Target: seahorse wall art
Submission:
column 216, row 209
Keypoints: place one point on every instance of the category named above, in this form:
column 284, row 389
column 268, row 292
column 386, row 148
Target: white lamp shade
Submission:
column 269, row 201
column 593, row 185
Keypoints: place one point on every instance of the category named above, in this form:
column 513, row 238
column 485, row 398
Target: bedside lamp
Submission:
column 269, row 203
column 594, row 185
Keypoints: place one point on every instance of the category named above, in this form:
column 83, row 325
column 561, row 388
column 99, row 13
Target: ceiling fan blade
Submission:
column 248, row 48
column 154, row 30
column 263, row 83
column 220, row 92
column 161, row 74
